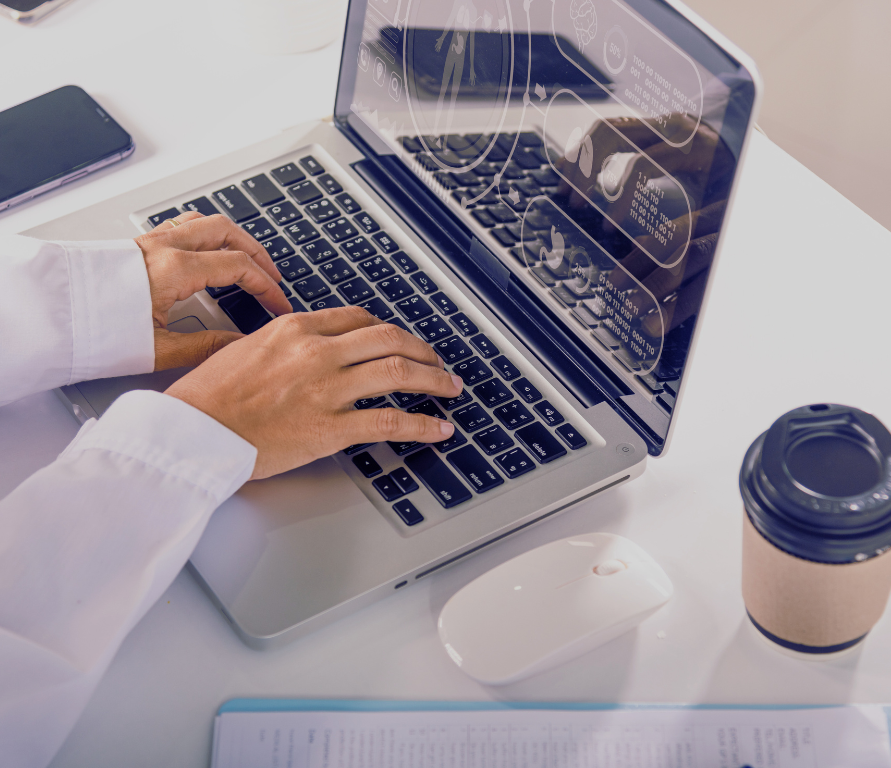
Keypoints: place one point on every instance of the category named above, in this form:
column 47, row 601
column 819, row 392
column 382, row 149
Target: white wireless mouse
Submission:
column 549, row 605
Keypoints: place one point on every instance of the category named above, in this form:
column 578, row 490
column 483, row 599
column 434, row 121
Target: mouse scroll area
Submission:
column 609, row 567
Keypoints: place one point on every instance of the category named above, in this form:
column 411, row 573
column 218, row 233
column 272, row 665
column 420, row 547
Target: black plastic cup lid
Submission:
column 817, row 484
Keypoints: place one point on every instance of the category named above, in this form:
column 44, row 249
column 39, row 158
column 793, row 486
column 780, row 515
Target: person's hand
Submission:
column 440, row 41
column 289, row 388
column 182, row 260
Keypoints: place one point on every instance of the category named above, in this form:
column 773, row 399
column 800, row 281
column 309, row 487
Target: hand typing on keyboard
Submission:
column 289, row 387
column 203, row 251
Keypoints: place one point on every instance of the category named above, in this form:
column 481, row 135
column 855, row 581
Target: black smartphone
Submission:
column 29, row 11
column 54, row 139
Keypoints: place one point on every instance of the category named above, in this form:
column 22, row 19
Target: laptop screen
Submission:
column 590, row 145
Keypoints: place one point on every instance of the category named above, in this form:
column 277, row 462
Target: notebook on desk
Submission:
column 548, row 220
column 263, row 733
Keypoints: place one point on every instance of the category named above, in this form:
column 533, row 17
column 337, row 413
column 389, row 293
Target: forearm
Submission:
column 88, row 544
column 71, row 312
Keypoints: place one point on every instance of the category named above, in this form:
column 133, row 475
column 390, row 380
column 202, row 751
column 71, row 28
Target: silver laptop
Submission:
column 536, row 189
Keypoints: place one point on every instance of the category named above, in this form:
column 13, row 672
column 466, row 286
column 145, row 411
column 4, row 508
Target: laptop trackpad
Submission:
column 284, row 549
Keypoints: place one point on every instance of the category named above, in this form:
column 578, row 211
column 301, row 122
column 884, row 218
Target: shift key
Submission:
column 234, row 202
column 437, row 478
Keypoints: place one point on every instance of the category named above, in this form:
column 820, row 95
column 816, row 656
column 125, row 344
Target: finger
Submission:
column 175, row 350
column 220, row 268
column 213, row 233
column 384, row 340
column 336, row 321
column 395, row 374
column 182, row 218
column 378, row 424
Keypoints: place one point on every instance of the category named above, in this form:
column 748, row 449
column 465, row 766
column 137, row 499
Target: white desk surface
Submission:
column 798, row 315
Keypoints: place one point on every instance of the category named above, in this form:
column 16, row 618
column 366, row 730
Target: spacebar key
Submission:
column 438, row 478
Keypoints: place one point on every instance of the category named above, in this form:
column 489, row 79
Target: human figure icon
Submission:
column 462, row 25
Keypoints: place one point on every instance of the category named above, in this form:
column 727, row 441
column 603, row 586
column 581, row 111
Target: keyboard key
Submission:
column 453, row 442
column 438, row 478
column 403, row 399
column 383, row 240
column 369, row 402
column 414, row 308
column 399, row 324
column 346, row 202
column 472, row 418
column 215, row 293
column 329, row 302
column 322, row 211
column 506, row 369
column 549, row 415
column 428, row 408
column 502, row 214
column 356, row 291
column 376, row 268
column 278, row 248
column 432, row 329
column 233, row 201
column 293, row 268
column 285, row 289
column 513, row 415
column 286, row 175
column 540, row 442
column 357, row 248
column 296, row 306
column 475, row 469
column 245, row 311
column 504, row 236
column 386, row 486
column 260, row 229
column 401, row 449
column 404, row 480
column 515, row 463
column 262, row 190
column 366, row 223
column 444, row 304
column 464, row 324
column 450, row 403
column 452, row 350
column 395, row 288
column 571, row 437
column 404, row 263
column 202, row 205
column 526, row 391
column 337, row 271
column 305, row 192
column 284, row 213
column 492, row 393
column 366, row 464
column 485, row 347
column 472, row 371
column 311, row 165
column 484, row 218
column 408, row 512
column 353, row 449
column 339, row 229
column 330, row 184
column 312, row 288
column 160, row 218
column 301, row 232
column 424, row 283
column 319, row 251
column 493, row 440
column 377, row 308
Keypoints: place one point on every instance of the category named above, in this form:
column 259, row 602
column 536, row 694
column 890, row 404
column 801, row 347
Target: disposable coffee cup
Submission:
column 816, row 491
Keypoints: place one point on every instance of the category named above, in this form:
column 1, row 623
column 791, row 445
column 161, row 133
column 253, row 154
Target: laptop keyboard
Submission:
column 331, row 253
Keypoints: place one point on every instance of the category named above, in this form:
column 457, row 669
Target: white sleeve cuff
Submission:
column 111, row 309
column 164, row 432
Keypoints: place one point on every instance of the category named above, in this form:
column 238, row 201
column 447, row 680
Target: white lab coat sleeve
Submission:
column 88, row 544
column 72, row 312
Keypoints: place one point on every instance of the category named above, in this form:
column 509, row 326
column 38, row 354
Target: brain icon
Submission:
column 584, row 19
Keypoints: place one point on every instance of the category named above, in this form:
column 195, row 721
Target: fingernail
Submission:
column 447, row 428
column 457, row 381
column 441, row 361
